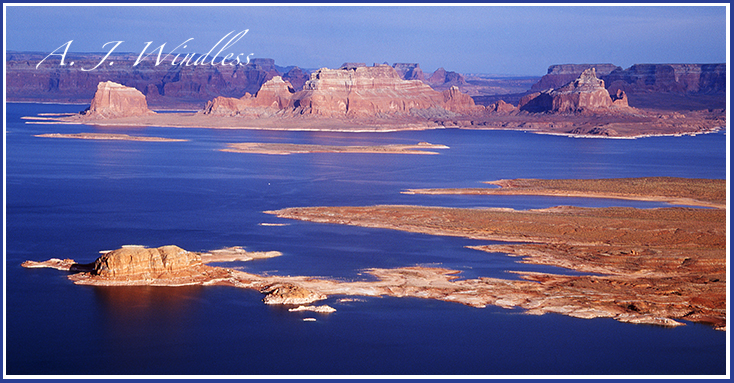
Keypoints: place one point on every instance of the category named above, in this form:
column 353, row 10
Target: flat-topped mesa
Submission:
column 113, row 100
column 376, row 91
column 585, row 94
column 675, row 78
column 353, row 91
column 643, row 78
column 141, row 262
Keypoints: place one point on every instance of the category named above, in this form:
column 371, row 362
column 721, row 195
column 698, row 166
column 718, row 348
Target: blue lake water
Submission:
column 72, row 198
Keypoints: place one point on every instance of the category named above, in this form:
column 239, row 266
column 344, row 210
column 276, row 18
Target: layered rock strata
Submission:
column 353, row 91
column 643, row 78
column 585, row 94
column 560, row 75
column 113, row 100
column 409, row 71
column 164, row 85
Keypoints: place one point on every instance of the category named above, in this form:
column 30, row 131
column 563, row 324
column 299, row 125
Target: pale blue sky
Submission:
column 522, row 40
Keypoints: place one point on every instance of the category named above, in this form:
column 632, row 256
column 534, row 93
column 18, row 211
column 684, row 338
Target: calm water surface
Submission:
column 72, row 198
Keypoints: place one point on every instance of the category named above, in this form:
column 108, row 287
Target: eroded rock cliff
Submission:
column 560, row 75
column 353, row 91
column 113, row 100
column 145, row 262
column 584, row 94
column 673, row 78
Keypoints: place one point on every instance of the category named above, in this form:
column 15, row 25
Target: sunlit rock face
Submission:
column 113, row 100
column 142, row 262
column 560, row 75
column 352, row 91
column 585, row 94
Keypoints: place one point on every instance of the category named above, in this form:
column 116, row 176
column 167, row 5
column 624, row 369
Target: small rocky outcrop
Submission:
column 289, row 294
column 619, row 99
column 501, row 107
column 113, row 100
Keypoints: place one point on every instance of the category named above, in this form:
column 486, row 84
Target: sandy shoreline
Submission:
column 642, row 124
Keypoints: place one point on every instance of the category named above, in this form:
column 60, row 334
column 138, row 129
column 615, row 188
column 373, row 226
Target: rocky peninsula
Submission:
column 357, row 98
column 652, row 266
column 678, row 191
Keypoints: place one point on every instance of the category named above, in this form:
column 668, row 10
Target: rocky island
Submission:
column 653, row 266
column 358, row 98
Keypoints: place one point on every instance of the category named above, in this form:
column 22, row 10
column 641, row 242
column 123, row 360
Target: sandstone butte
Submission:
column 113, row 100
column 651, row 266
column 584, row 94
column 360, row 98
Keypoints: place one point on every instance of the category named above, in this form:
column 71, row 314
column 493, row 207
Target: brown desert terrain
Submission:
column 679, row 191
column 653, row 266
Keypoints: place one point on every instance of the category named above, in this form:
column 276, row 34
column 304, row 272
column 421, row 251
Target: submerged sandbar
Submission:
column 285, row 148
column 108, row 136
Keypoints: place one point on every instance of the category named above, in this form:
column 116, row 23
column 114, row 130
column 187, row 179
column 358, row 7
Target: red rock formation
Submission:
column 441, row 79
column 619, row 99
column 676, row 78
column 273, row 96
column 501, row 107
column 275, row 93
column 363, row 92
column 411, row 71
column 560, row 75
column 141, row 262
column 113, row 100
column 297, row 77
column 164, row 84
column 352, row 91
column 536, row 102
column 458, row 102
column 585, row 94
